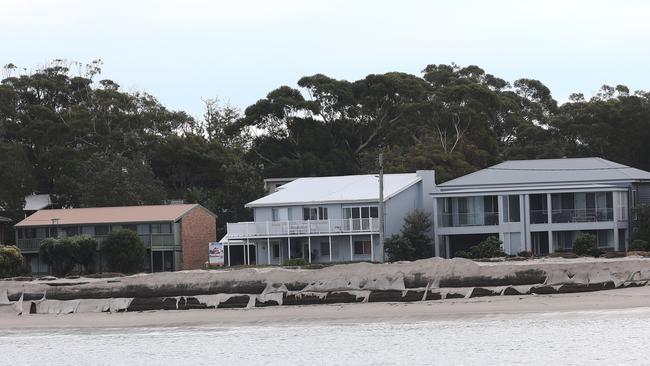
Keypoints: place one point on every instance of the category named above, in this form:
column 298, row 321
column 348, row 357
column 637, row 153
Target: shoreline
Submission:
column 603, row 303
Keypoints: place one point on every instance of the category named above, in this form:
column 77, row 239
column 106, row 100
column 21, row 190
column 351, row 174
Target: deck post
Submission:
column 351, row 249
column 228, row 246
column 549, row 212
column 309, row 247
column 288, row 247
column 247, row 255
column 268, row 250
column 330, row 242
column 372, row 246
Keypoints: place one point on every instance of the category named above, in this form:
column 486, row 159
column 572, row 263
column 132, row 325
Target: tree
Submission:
column 414, row 241
column 12, row 262
column 59, row 254
column 586, row 244
column 123, row 251
column 642, row 223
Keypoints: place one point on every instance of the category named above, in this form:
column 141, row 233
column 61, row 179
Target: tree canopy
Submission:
column 64, row 131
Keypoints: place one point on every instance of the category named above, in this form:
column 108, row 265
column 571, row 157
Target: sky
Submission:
column 185, row 51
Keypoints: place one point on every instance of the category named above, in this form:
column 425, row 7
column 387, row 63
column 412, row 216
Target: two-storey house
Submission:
column 175, row 236
column 326, row 219
column 540, row 205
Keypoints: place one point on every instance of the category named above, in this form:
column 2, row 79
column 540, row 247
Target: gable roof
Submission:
column 338, row 189
column 108, row 215
column 545, row 171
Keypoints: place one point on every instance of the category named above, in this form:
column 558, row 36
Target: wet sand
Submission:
column 602, row 303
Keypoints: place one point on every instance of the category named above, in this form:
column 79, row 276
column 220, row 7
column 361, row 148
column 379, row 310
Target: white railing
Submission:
column 301, row 227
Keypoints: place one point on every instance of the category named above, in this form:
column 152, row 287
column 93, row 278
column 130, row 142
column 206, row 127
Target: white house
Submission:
column 539, row 205
column 327, row 219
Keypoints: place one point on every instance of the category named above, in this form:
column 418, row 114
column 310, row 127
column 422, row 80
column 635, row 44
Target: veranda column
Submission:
column 288, row 247
column 309, row 247
column 528, row 245
column 247, row 254
column 436, row 239
column 372, row 247
column 351, row 249
column 615, row 203
column 549, row 220
column 228, row 246
column 330, row 242
column 268, row 251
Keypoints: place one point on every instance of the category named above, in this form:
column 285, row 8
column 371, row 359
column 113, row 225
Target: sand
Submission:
column 602, row 303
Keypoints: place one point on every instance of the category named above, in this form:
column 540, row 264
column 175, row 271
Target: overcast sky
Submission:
column 182, row 51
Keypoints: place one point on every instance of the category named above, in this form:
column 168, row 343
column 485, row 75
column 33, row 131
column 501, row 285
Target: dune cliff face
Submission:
column 429, row 279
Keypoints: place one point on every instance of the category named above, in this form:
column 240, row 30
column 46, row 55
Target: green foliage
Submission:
column 525, row 253
column 488, row 248
column 414, row 241
column 639, row 245
column 59, row 254
column 85, row 252
column 586, row 244
column 123, row 251
column 642, row 214
column 12, row 262
column 295, row 262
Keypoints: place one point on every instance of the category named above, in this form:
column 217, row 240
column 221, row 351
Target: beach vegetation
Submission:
column 491, row 247
column 414, row 241
column 296, row 262
column 639, row 245
column 12, row 262
column 123, row 251
column 586, row 245
column 59, row 255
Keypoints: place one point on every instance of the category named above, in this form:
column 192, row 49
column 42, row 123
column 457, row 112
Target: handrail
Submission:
column 301, row 227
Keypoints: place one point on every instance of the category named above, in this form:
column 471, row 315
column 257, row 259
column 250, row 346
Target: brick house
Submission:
column 176, row 236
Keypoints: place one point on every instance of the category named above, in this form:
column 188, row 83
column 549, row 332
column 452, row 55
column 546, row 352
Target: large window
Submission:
column 511, row 212
column 314, row 213
column 164, row 228
column 363, row 212
column 281, row 214
column 101, row 230
column 362, row 247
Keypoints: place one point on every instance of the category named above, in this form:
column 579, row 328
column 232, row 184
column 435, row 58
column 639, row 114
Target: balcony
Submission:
column 582, row 215
column 155, row 241
column 261, row 229
column 468, row 219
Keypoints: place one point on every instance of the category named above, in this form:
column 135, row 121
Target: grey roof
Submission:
column 548, row 171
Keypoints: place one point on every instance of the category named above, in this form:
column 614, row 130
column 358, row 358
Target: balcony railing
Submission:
column 469, row 219
column 301, row 227
column 155, row 240
column 582, row 215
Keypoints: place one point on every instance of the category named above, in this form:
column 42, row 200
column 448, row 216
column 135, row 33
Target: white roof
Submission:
column 548, row 171
column 340, row 189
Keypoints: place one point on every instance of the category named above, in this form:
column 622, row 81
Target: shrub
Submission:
column 296, row 262
column 12, row 262
column 124, row 251
column 59, row 254
column 414, row 241
column 525, row 253
column 639, row 245
column 85, row 251
column 488, row 248
column 398, row 248
column 586, row 244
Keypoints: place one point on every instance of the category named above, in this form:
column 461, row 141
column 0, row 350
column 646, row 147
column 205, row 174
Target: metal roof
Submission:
column 338, row 189
column 548, row 171
column 108, row 215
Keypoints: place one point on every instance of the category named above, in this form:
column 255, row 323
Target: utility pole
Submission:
column 380, row 162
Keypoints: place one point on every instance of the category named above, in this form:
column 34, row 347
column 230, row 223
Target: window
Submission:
column 164, row 228
column 360, row 212
column 325, row 248
column 362, row 247
column 131, row 227
column 314, row 213
column 276, row 250
column 511, row 212
column 101, row 230
column 281, row 214
column 71, row 230
column 322, row 213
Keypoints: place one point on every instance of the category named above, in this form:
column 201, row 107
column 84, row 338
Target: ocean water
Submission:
column 611, row 338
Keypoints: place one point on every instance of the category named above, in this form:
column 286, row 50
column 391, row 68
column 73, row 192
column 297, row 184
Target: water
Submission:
column 547, row 339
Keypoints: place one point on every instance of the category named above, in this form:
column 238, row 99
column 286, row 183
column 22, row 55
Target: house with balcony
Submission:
column 175, row 236
column 326, row 219
column 540, row 205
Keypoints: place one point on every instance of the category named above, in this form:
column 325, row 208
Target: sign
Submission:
column 215, row 254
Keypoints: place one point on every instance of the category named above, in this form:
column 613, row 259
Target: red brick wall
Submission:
column 198, row 228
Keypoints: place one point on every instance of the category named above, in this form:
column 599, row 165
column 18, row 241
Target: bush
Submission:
column 525, row 253
column 488, row 248
column 296, row 262
column 85, row 251
column 12, row 262
column 124, row 251
column 414, row 242
column 59, row 254
column 586, row 244
column 639, row 245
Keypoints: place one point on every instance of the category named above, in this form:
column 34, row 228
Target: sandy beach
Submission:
column 602, row 302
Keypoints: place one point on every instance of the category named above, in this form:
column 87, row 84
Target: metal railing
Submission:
column 468, row 219
column 582, row 215
column 149, row 240
column 301, row 227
